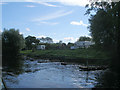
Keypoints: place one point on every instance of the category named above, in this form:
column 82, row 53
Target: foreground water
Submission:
column 46, row 74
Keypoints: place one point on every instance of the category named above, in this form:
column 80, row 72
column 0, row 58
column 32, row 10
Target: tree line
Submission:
column 13, row 41
column 105, row 31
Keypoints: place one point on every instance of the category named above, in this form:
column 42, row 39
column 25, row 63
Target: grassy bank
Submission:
column 78, row 55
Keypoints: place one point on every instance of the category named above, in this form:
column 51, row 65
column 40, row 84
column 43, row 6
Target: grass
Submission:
column 78, row 55
column 26, row 51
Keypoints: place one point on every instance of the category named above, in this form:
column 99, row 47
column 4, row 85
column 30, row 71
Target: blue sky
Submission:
column 60, row 20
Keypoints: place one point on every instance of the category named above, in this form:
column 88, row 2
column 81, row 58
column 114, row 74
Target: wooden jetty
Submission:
column 62, row 63
column 92, row 68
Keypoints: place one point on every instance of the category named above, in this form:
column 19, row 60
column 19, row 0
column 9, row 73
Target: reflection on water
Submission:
column 46, row 74
column 13, row 64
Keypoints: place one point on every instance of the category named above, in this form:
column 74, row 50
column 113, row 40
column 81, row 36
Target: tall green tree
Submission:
column 104, row 25
column 12, row 43
column 31, row 41
column 105, row 31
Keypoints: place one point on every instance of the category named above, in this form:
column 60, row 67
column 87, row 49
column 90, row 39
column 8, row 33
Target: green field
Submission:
column 78, row 55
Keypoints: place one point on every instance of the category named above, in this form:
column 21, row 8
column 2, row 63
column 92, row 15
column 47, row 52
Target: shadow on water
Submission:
column 13, row 64
column 87, row 74
column 111, row 77
column 108, row 79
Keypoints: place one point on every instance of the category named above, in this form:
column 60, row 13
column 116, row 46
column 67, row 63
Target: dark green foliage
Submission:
column 104, row 26
column 14, row 65
column 105, row 31
column 69, row 45
column 54, row 46
column 84, row 38
column 12, row 43
column 46, row 40
column 108, row 80
column 31, row 42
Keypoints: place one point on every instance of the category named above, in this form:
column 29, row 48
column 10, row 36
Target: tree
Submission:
column 84, row 38
column 105, row 30
column 70, row 44
column 46, row 40
column 60, row 42
column 31, row 41
column 104, row 25
column 12, row 43
column 49, row 40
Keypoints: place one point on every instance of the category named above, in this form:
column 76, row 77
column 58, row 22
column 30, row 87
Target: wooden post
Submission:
column 87, row 61
column 4, row 84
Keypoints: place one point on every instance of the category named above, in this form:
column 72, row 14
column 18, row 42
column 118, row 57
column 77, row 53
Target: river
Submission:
column 47, row 74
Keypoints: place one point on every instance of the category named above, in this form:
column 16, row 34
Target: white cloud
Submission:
column 54, row 33
column 1, row 3
column 27, row 29
column 31, row 6
column 21, row 32
column 64, row 2
column 55, row 40
column 73, row 2
column 78, row 23
column 48, row 23
column 42, row 2
column 53, row 15
column 70, row 39
column 0, row 31
column 47, row 4
column 40, row 36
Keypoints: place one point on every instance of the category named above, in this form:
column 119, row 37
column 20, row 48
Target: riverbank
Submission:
column 79, row 55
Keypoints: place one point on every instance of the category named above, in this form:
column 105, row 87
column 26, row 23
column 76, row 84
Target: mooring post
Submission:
column 4, row 84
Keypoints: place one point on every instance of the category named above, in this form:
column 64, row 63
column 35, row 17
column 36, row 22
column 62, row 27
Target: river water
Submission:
column 47, row 74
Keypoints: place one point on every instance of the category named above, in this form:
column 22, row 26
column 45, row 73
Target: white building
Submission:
column 40, row 47
column 82, row 44
column 74, row 47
